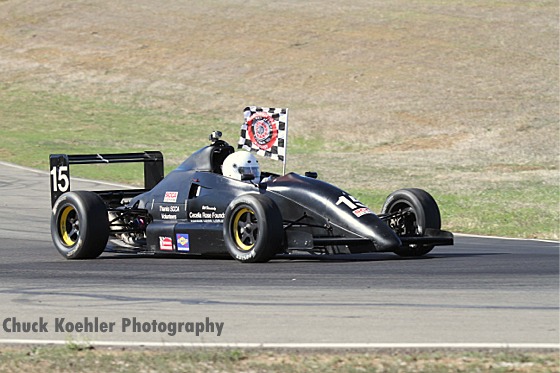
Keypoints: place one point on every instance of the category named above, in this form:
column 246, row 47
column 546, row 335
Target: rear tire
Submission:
column 423, row 213
column 80, row 225
column 253, row 230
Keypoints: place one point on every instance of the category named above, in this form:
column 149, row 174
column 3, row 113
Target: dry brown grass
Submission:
column 73, row 358
column 386, row 72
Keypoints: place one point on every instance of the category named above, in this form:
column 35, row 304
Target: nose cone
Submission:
column 374, row 229
column 384, row 239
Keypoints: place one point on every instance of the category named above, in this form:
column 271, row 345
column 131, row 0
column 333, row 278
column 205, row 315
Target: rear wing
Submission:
column 60, row 171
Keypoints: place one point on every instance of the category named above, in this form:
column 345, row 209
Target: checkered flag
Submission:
column 265, row 132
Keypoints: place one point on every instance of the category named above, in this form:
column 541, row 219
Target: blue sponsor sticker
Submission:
column 183, row 243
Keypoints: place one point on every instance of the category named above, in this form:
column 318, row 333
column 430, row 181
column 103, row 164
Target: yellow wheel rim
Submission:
column 67, row 226
column 244, row 229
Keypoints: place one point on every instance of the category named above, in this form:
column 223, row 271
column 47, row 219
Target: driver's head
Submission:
column 240, row 163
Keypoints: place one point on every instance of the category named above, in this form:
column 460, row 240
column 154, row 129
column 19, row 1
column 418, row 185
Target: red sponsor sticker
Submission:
column 362, row 211
column 170, row 197
column 165, row 243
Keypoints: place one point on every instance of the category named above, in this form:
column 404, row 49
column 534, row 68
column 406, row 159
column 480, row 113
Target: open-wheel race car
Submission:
column 219, row 202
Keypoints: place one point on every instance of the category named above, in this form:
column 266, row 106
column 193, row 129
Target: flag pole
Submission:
column 285, row 146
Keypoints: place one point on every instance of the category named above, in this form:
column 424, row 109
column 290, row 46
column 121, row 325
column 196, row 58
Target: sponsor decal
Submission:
column 183, row 243
column 216, row 217
column 170, row 197
column 165, row 243
column 362, row 211
column 165, row 212
column 169, row 208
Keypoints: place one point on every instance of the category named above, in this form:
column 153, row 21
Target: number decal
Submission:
column 346, row 201
column 60, row 180
column 358, row 208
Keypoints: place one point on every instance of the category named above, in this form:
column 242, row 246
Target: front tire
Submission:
column 80, row 225
column 415, row 211
column 253, row 230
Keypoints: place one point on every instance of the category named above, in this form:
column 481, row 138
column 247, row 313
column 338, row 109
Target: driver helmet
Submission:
column 240, row 163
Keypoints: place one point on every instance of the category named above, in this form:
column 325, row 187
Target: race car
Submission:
column 218, row 202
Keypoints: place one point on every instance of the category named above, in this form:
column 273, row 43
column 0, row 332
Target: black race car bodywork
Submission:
column 195, row 210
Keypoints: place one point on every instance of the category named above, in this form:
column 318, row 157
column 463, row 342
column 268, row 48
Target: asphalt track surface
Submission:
column 480, row 291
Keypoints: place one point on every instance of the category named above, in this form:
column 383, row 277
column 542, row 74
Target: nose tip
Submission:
column 387, row 242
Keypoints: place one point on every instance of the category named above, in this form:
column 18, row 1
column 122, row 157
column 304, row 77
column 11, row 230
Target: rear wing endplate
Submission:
column 60, row 168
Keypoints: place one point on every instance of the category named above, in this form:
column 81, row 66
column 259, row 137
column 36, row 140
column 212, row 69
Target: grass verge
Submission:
column 36, row 123
column 70, row 358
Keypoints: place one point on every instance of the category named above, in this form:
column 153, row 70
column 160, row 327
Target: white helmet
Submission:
column 240, row 163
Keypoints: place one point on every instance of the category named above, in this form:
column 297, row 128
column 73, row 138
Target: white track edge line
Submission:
column 506, row 238
column 287, row 345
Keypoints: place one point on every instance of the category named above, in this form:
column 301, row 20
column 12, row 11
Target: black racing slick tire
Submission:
column 253, row 230
column 415, row 211
column 80, row 225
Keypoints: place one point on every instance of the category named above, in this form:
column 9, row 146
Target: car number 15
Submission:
column 60, row 179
